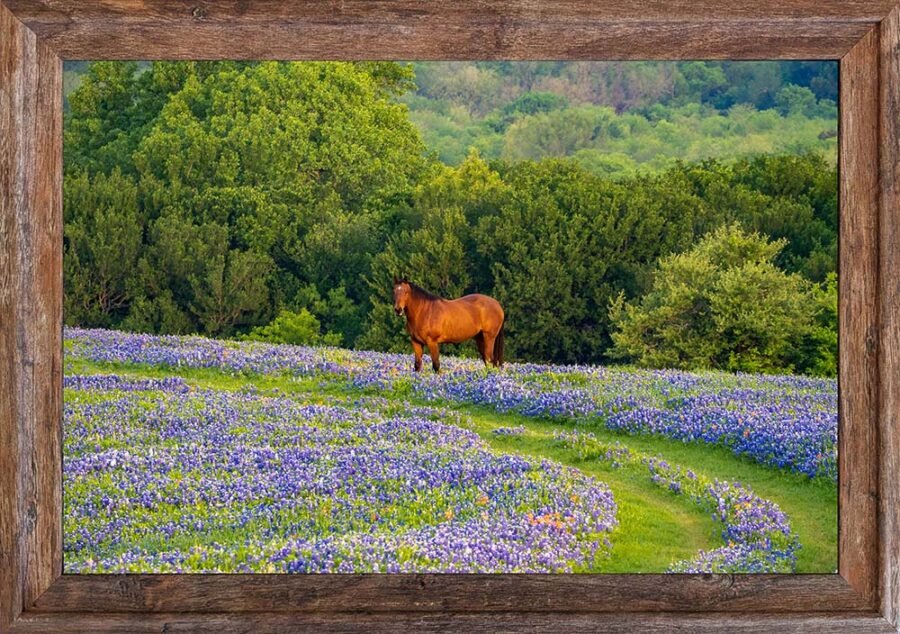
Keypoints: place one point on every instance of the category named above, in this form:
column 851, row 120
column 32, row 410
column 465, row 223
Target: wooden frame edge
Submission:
column 30, row 315
column 858, row 284
column 35, row 597
column 487, row 623
column 375, row 593
column 889, row 317
column 486, row 29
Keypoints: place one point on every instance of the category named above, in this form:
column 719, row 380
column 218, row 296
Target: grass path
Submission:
column 811, row 505
column 656, row 527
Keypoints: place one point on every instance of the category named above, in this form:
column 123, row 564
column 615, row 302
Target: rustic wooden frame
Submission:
column 36, row 35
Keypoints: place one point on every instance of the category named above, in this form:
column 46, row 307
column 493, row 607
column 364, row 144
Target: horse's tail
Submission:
column 498, row 346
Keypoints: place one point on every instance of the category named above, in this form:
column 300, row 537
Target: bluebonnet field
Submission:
column 152, row 465
column 160, row 475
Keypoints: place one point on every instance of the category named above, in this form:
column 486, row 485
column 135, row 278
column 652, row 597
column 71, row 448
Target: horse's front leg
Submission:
column 418, row 350
column 435, row 360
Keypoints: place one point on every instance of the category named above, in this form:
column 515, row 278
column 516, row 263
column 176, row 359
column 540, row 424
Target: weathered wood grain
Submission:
column 858, row 316
column 35, row 13
column 44, row 315
column 889, row 305
column 481, row 29
column 14, row 41
column 498, row 593
column 364, row 623
column 30, row 316
column 452, row 41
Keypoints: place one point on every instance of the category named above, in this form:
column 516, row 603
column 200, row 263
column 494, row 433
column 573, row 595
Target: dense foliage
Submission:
column 218, row 198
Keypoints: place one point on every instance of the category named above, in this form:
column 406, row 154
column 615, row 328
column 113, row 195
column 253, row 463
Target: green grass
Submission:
column 656, row 527
column 811, row 505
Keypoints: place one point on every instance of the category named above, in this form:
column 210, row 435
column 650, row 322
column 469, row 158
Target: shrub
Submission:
column 301, row 328
column 723, row 304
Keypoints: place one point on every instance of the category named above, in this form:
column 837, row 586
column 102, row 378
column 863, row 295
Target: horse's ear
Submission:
column 395, row 280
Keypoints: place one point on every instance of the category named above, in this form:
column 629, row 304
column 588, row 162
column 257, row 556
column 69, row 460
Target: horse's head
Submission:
column 402, row 294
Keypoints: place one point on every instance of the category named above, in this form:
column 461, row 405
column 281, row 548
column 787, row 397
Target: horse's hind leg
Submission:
column 479, row 341
column 417, row 350
column 489, row 346
column 435, row 360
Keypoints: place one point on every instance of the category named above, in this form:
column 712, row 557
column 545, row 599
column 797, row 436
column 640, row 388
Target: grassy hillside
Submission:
column 194, row 455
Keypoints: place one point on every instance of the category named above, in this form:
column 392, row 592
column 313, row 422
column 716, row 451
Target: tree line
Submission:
column 276, row 201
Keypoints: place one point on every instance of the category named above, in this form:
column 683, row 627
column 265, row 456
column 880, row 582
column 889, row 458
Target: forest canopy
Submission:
column 273, row 199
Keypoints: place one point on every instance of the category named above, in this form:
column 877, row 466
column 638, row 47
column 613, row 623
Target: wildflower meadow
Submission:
column 187, row 454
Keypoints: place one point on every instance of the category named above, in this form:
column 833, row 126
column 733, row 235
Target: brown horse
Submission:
column 432, row 320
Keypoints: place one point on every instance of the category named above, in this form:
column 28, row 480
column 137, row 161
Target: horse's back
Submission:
column 477, row 298
column 485, row 304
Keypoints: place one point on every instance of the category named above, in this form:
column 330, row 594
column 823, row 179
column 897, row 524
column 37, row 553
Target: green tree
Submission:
column 818, row 354
column 699, row 81
column 99, row 122
column 549, row 256
column 338, row 315
column 285, row 170
column 304, row 156
column 231, row 292
column 190, row 279
column 797, row 201
column 753, row 83
column 102, row 243
column 796, row 101
column 529, row 103
column 557, row 133
column 723, row 304
column 565, row 242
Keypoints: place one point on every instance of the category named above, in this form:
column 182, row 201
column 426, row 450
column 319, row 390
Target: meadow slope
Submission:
column 191, row 454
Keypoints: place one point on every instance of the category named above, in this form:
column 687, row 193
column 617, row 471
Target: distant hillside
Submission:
column 617, row 118
column 484, row 87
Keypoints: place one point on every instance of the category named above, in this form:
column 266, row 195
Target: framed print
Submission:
column 94, row 420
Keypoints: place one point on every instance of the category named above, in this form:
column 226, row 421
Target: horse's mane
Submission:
column 421, row 293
